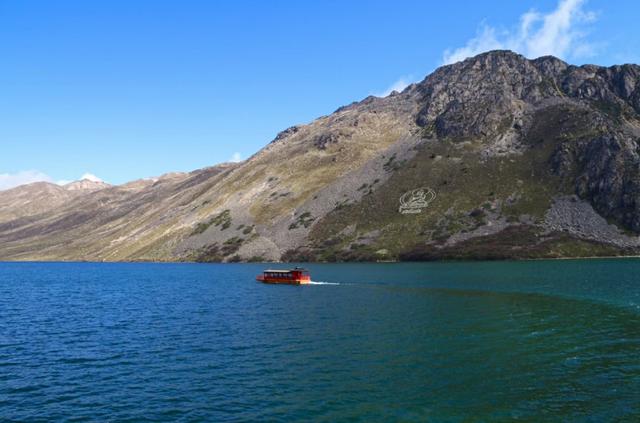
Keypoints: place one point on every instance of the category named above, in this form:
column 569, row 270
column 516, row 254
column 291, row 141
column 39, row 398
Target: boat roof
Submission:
column 284, row 271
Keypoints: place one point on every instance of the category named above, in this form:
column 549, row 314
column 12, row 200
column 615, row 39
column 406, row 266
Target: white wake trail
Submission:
column 323, row 283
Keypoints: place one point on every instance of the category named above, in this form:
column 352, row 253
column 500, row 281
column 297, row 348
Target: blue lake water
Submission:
column 486, row 341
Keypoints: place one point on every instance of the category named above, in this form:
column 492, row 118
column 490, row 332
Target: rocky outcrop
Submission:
column 577, row 217
column 86, row 185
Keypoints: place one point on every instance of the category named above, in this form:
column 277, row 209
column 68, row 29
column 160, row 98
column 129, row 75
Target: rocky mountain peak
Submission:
column 86, row 185
column 484, row 95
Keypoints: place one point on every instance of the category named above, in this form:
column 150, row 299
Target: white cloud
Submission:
column 12, row 180
column 561, row 33
column 236, row 157
column 90, row 177
column 398, row 86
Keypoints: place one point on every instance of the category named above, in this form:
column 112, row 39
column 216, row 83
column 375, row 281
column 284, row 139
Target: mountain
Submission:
column 31, row 199
column 86, row 185
column 494, row 157
column 39, row 197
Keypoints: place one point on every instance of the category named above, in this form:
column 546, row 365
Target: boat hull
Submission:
column 283, row 281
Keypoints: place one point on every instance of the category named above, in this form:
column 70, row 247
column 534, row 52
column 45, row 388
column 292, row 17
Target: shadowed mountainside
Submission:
column 493, row 157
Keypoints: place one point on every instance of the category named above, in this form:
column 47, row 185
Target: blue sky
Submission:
column 131, row 89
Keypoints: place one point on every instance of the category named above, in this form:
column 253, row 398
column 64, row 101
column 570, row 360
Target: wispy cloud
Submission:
column 398, row 86
column 561, row 33
column 12, row 180
column 236, row 157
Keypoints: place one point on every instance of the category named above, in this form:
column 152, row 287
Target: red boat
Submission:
column 295, row 276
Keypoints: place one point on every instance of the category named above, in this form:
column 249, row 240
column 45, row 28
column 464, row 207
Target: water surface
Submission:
column 536, row 341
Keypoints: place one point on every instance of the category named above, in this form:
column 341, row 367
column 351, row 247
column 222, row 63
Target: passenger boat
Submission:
column 295, row 276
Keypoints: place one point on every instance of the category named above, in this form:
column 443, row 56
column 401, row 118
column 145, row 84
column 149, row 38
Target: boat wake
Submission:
column 323, row 283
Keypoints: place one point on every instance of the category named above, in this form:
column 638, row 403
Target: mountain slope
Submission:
column 31, row 199
column 493, row 157
column 40, row 197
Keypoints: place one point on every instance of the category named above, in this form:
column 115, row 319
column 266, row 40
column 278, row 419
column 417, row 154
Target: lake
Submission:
column 481, row 341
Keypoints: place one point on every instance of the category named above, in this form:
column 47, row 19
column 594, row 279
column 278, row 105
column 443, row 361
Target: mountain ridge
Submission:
column 525, row 158
column 86, row 185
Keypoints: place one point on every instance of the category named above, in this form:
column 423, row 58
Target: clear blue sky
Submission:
column 130, row 89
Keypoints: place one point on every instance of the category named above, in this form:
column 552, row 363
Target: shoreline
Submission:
column 466, row 260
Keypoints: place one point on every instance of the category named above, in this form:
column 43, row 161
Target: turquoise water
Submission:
column 499, row 341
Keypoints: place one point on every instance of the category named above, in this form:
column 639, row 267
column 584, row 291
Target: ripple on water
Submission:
column 192, row 342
